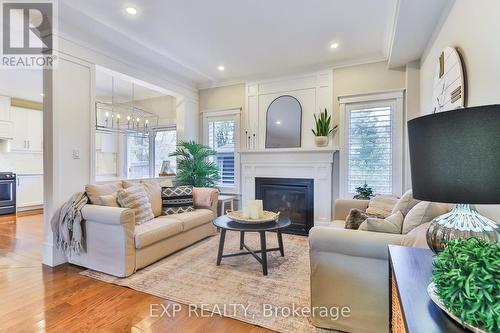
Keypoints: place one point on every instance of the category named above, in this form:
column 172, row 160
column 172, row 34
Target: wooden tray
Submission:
column 267, row 216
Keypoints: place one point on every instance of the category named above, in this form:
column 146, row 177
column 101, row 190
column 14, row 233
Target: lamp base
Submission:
column 463, row 222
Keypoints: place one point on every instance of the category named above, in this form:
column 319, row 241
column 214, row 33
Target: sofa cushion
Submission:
column 177, row 199
column 156, row 230
column 195, row 218
column 381, row 205
column 417, row 237
column 423, row 212
column 405, row 203
column 95, row 191
column 135, row 197
column 391, row 224
column 110, row 200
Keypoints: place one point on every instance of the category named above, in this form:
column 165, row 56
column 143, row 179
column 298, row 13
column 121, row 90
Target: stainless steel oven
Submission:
column 7, row 193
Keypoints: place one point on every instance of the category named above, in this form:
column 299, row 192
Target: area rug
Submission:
column 236, row 288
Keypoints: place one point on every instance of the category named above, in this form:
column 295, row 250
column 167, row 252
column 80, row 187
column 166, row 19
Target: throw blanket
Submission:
column 66, row 224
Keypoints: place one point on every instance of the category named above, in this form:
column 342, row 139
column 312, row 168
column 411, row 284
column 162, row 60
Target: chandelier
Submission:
column 125, row 117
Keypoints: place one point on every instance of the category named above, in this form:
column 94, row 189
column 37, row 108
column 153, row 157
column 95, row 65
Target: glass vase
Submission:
column 463, row 222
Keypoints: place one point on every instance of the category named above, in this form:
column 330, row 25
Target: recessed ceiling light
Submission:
column 334, row 45
column 221, row 68
column 131, row 10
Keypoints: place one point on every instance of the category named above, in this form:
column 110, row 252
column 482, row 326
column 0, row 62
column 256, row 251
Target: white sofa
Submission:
column 350, row 268
column 115, row 245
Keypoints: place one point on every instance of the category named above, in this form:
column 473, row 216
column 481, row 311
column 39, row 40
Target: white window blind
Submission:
column 221, row 138
column 370, row 149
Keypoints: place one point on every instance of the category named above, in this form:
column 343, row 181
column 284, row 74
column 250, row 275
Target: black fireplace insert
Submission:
column 292, row 197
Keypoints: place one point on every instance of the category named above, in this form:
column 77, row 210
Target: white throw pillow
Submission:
column 405, row 203
column 417, row 237
column 423, row 212
column 381, row 205
column 136, row 198
column 391, row 224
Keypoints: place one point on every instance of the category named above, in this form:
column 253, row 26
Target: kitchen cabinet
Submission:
column 5, row 118
column 27, row 128
column 29, row 191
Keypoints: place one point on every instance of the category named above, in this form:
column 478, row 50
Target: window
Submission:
column 165, row 141
column 137, row 157
column 370, row 149
column 221, row 134
column 371, row 144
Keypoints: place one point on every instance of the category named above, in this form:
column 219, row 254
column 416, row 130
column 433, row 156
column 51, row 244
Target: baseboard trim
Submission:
column 30, row 212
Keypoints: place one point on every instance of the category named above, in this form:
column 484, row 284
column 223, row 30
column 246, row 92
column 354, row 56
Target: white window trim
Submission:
column 224, row 114
column 396, row 97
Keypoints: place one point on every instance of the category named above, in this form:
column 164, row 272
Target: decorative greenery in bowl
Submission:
column 364, row 192
column 193, row 165
column 466, row 275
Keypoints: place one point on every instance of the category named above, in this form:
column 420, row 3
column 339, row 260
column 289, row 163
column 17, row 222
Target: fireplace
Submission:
column 292, row 197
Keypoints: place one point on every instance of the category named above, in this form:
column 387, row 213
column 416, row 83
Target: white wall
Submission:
column 473, row 27
column 67, row 128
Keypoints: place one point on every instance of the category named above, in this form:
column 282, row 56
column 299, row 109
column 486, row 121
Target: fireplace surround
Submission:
column 292, row 197
column 295, row 163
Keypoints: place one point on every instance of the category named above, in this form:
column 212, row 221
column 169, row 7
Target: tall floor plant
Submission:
column 193, row 165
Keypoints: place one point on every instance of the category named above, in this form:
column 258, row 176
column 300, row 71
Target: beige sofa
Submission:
column 115, row 245
column 350, row 268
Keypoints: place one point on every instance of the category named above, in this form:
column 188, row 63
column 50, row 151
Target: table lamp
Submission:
column 455, row 158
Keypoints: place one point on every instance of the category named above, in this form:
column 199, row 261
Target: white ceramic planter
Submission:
column 321, row 141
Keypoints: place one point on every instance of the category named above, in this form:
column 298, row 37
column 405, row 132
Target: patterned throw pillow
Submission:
column 177, row 199
column 136, row 198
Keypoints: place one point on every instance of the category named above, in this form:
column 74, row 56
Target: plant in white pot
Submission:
column 323, row 129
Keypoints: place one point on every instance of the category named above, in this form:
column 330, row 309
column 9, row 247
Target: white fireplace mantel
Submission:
column 310, row 163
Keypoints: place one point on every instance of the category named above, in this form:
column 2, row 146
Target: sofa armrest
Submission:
column 357, row 243
column 341, row 207
column 108, row 215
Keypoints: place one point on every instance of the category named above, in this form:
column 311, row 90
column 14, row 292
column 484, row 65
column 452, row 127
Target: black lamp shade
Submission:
column 455, row 156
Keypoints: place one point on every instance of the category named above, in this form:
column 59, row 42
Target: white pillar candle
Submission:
column 260, row 207
column 254, row 210
column 246, row 212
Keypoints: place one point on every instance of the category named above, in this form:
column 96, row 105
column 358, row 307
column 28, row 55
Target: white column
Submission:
column 68, row 104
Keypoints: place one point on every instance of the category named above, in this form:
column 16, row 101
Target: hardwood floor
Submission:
column 38, row 298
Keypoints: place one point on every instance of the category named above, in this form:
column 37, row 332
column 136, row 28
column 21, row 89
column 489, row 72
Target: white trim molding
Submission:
column 394, row 98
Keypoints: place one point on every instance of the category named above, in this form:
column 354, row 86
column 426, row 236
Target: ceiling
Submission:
column 250, row 38
column 186, row 40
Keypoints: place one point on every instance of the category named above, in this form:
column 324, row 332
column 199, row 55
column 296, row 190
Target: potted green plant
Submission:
column 364, row 192
column 193, row 165
column 466, row 282
column 323, row 128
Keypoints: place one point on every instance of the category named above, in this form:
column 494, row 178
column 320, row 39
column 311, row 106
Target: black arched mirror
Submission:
column 284, row 123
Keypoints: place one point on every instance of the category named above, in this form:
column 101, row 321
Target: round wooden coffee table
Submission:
column 225, row 223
